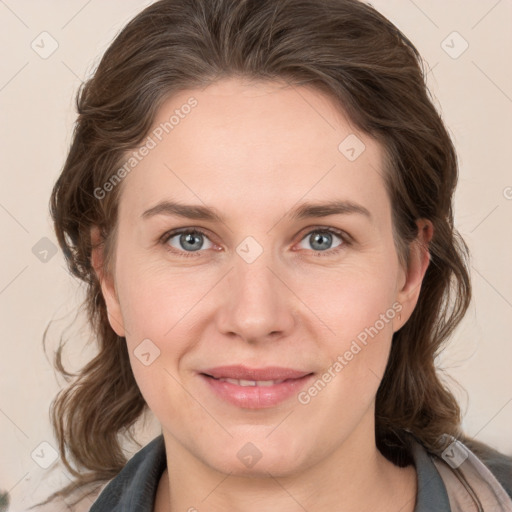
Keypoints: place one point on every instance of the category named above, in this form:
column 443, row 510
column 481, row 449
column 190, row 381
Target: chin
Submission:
column 285, row 466
column 258, row 455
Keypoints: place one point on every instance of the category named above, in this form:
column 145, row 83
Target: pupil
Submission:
column 326, row 237
column 189, row 238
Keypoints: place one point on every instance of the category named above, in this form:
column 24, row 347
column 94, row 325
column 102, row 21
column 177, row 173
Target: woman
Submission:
column 259, row 197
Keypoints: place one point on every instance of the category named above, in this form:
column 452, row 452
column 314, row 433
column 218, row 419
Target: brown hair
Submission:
column 343, row 48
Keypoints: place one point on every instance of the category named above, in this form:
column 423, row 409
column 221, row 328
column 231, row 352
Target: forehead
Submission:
column 253, row 145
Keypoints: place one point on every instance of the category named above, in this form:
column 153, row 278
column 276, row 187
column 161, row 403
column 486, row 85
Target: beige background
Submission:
column 472, row 91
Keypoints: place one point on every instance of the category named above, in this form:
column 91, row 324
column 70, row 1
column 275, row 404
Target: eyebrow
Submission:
column 303, row 211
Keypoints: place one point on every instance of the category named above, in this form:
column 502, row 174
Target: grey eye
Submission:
column 188, row 241
column 321, row 240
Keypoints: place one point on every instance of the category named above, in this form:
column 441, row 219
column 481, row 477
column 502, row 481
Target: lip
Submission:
column 246, row 373
column 255, row 397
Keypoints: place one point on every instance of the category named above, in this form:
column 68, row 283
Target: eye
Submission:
column 187, row 241
column 321, row 240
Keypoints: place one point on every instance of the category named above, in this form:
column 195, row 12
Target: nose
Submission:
column 258, row 306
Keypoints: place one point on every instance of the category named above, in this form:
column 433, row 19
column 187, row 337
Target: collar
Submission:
column 134, row 488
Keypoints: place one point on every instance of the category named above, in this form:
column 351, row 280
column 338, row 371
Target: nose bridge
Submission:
column 258, row 303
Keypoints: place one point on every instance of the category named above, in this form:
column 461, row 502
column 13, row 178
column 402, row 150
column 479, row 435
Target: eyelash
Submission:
column 193, row 231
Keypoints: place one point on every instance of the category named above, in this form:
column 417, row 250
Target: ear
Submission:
column 412, row 276
column 106, row 280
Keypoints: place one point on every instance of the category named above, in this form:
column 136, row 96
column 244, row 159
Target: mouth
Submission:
column 242, row 372
column 246, row 383
column 255, row 388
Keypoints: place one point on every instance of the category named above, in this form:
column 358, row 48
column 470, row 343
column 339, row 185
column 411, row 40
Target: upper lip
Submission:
column 241, row 372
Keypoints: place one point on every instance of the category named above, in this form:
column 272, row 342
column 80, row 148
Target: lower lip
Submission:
column 256, row 397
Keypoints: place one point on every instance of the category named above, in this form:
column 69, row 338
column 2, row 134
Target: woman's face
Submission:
column 268, row 281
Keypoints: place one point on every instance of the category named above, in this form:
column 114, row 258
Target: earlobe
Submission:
column 106, row 282
column 419, row 259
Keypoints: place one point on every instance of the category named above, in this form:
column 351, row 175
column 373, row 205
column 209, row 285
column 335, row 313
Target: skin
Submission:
column 254, row 151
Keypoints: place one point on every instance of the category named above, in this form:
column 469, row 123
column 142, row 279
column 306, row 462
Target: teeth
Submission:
column 242, row 382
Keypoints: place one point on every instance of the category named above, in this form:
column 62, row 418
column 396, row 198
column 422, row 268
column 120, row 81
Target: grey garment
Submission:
column 432, row 495
column 134, row 488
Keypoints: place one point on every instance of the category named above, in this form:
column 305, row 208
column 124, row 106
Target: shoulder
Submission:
column 498, row 463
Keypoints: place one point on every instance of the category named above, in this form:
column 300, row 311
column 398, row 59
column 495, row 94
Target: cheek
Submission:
column 357, row 309
column 352, row 298
column 160, row 308
column 156, row 310
column 154, row 300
